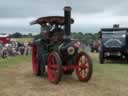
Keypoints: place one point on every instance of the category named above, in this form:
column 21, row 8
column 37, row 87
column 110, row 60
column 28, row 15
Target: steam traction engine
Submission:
column 56, row 51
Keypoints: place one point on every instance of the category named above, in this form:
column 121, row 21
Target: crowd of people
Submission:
column 14, row 48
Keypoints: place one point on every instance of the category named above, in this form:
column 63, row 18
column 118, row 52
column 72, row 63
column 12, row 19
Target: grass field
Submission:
column 10, row 61
column 109, row 79
column 112, row 77
column 24, row 39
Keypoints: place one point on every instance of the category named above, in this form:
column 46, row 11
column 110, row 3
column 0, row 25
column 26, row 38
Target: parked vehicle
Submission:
column 56, row 50
column 114, row 43
column 4, row 38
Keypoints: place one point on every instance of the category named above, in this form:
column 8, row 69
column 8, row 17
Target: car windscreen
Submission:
column 114, row 34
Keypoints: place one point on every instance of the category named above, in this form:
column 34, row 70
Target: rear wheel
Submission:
column 54, row 67
column 35, row 61
column 84, row 67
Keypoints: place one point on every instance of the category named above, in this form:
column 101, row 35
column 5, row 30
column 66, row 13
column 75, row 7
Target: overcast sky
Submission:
column 89, row 15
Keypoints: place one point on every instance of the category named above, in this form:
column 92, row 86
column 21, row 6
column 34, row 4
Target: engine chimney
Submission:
column 67, row 27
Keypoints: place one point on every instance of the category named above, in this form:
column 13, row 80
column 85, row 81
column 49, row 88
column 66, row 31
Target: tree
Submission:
column 86, row 38
column 16, row 35
column 29, row 34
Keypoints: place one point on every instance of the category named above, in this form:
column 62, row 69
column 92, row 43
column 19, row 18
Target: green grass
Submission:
column 5, row 63
column 110, row 78
column 111, row 68
column 24, row 39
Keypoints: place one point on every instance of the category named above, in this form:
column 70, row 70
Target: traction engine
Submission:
column 56, row 53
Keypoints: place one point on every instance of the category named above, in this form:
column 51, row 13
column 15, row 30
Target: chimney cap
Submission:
column 116, row 26
column 67, row 8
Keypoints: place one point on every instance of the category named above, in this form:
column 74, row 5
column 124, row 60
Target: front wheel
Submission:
column 54, row 67
column 84, row 67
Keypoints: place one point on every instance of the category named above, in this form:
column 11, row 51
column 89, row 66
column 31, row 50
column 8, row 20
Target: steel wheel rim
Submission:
column 35, row 59
column 83, row 65
column 53, row 67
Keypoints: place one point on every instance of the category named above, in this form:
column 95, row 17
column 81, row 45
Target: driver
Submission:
column 45, row 29
column 56, row 35
column 42, row 45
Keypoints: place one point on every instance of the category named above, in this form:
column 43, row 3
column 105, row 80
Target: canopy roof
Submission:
column 114, row 29
column 4, row 35
column 51, row 19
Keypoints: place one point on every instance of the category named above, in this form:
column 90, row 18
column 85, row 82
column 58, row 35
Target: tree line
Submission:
column 86, row 38
column 20, row 35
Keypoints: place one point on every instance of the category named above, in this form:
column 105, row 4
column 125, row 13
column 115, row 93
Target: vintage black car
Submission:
column 114, row 43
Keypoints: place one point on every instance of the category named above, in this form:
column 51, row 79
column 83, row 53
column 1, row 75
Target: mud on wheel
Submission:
column 54, row 67
column 35, row 61
column 84, row 67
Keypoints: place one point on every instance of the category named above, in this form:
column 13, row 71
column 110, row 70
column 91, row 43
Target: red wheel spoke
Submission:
column 35, row 59
column 53, row 66
column 79, row 69
column 83, row 69
column 83, row 66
